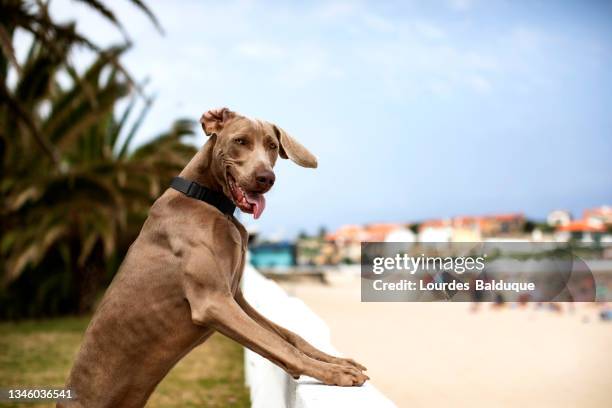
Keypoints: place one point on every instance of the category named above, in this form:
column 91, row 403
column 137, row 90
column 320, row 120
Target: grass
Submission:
column 39, row 353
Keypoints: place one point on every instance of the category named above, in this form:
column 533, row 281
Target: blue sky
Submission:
column 415, row 109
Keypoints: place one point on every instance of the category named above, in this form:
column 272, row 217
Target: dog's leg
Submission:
column 292, row 338
column 213, row 305
column 227, row 317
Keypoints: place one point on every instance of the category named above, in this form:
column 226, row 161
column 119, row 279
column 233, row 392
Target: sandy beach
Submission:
column 443, row 354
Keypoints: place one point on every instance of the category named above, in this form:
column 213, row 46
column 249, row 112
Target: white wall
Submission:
column 270, row 386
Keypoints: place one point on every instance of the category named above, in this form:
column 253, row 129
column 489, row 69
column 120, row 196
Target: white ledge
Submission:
column 270, row 386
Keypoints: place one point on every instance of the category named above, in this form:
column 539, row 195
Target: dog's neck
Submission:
column 199, row 168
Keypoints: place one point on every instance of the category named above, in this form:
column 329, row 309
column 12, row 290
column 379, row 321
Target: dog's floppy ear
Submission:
column 214, row 120
column 289, row 148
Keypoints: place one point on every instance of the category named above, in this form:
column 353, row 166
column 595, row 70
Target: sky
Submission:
column 415, row 109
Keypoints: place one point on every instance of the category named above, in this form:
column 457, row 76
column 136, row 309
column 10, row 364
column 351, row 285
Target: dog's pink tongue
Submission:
column 258, row 201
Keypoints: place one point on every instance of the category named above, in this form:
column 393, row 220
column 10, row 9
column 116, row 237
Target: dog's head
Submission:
column 244, row 153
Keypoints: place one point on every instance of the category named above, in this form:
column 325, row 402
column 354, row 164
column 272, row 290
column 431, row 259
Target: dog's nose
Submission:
column 265, row 178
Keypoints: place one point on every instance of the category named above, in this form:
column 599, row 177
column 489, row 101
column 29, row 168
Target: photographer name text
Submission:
column 402, row 263
column 479, row 285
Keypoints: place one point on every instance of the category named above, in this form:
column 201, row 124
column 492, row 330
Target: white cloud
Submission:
column 527, row 38
column 210, row 45
column 377, row 22
column 428, row 30
column 461, row 5
column 254, row 49
column 479, row 84
column 480, row 61
column 308, row 64
column 335, row 10
column 441, row 88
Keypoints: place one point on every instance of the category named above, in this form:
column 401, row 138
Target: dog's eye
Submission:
column 272, row 146
column 240, row 141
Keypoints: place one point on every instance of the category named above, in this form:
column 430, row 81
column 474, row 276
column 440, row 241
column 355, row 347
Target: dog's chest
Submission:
column 239, row 270
column 240, row 238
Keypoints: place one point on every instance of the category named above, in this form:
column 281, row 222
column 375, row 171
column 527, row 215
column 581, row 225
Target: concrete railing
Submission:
column 270, row 386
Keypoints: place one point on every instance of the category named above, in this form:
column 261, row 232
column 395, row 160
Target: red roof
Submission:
column 507, row 217
column 434, row 224
column 581, row 226
column 347, row 233
column 356, row 233
column 378, row 232
column 599, row 210
column 471, row 220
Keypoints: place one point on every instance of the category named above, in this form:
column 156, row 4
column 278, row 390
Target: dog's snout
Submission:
column 265, row 178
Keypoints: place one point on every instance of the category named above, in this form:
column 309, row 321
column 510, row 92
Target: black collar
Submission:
column 199, row 192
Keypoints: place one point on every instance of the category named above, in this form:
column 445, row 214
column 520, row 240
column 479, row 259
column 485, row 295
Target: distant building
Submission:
column 436, row 231
column 379, row 232
column 273, row 255
column 401, row 235
column 344, row 245
column 593, row 227
column 467, row 228
column 580, row 231
column 558, row 218
column 502, row 225
column 347, row 233
column 347, row 242
column 600, row 215
column 316, row 251
column 348, row 238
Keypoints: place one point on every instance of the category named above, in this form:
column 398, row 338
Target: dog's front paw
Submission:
column 349, row 362
column 343, row 375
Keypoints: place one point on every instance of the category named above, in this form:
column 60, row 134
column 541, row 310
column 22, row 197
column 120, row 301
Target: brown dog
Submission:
column 180, row 279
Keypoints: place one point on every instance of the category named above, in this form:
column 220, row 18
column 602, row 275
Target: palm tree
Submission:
column 33, row 17
column 74, row 214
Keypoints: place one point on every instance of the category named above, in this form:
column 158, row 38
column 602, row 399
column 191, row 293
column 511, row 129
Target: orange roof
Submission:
column 355, row 233
column 469, row 220
column 506, row 217
column 382, row 228
column 434, row 224
column 462, row 221
column 581, row 226
column 604, row 211
column 378, row 232
column 347, row 232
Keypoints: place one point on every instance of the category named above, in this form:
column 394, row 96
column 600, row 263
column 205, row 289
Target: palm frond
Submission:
column 6, row 44
column 38, row 75
column 115, row 129
column 83, row 116
column 123, row 151
column 28, row 121
column 142, row 6
column 84, row 92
